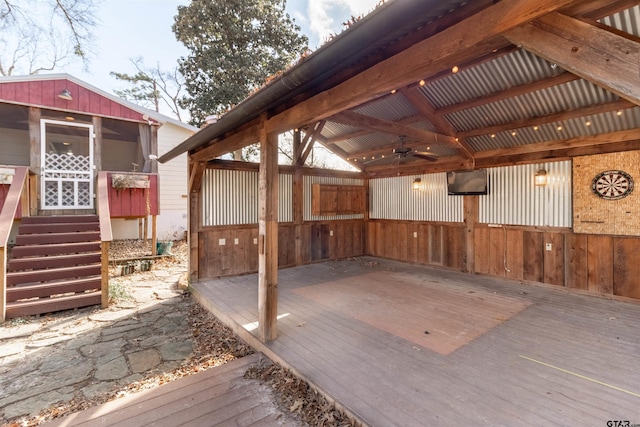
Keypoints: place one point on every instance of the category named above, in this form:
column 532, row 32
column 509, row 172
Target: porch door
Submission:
column 66, row 165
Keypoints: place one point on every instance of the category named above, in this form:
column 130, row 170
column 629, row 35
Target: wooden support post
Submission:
column 196, row 172
column 104, row 271
column 268, row 236
column 298, row 197
column 154, row 235
column 470, row 220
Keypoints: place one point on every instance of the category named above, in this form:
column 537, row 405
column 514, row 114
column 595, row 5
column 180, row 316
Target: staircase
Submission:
column 55, row 265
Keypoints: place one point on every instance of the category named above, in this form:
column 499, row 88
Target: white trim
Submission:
column 75, row 180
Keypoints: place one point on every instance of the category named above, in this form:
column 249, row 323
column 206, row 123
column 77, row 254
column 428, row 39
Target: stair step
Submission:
column 22, row 277
column 15, row 293
column 55, row 249
column 40, row 239
column 42, row 262
column 49, row 305
column 58, row 227
column 58, row 219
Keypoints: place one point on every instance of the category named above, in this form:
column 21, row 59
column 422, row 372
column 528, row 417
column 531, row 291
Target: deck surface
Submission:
column 497, row 352
column 216, row 397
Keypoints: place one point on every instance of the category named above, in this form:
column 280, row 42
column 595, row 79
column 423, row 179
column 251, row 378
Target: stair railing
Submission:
column 18, row 192
column 106, row 235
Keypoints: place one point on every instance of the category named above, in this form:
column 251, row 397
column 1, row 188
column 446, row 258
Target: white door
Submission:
column 67, row 165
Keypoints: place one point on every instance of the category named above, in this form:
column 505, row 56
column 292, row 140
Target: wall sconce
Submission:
column 65, row 94
column 417, row 184
column 540, row 178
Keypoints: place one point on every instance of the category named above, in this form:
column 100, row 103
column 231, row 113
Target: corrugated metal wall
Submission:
column 395, row 198
column 513, row 198
column 309, row 180
column 230, row 197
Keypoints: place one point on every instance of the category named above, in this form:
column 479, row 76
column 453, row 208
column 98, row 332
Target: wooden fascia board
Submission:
column 359, row 120
column 472, row 37
column 236, row 141
column 602, row 57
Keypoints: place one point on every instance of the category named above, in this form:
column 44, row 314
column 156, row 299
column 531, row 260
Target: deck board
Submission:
column 217, row 396
column 385, row 379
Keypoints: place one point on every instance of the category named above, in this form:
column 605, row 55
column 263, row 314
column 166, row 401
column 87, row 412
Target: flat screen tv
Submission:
column 467, row 182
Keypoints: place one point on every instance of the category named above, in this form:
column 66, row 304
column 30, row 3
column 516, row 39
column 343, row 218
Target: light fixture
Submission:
column 540, row 178
column 455, row 69
column 536, row 128
column 619, row 112
column 514, row 133
column 422, row 83
column 416, row 184
column 65, row 94
column 393, row 91
column 559, row 128
column 587, row 123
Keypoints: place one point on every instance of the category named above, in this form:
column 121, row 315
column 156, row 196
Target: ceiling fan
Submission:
column 403, row 152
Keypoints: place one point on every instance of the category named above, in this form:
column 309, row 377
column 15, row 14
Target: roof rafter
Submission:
column 550, row 118
column 393, row 128
column 602, row 57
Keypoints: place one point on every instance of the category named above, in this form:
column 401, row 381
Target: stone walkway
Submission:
column 84, row 353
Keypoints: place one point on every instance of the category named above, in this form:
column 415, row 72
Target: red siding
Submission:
column 44, row 93
column 132, row 202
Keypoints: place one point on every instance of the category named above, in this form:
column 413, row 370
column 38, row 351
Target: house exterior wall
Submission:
column 172, row 221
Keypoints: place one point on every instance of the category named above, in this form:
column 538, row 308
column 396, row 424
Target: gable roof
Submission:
column 533, row 80
column 42, row 90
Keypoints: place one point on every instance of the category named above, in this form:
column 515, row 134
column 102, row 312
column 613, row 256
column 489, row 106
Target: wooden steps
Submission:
column 55, row 265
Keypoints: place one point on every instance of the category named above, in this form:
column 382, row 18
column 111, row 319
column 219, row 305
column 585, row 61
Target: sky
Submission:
column 142, row 28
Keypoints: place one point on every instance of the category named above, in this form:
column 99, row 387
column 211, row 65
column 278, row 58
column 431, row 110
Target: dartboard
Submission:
column 612, row 185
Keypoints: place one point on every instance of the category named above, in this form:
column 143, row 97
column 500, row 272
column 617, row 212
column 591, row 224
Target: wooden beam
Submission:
column 444, row 164
column 268, row 236
column 309, row 140
column 236, row 141
column 621, row 104
column 363, row 132
column 549, row 146
column 392, row 128
column 596, row 9
column 478, row 35
column 602, row 57
column 195, row 176
column 235, row 165
column 508, row 93
column 426, row 110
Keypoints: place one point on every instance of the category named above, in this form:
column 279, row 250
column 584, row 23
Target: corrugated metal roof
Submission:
column 569, row 96
column 574, row 128
column 390, row 108
column 627, row 21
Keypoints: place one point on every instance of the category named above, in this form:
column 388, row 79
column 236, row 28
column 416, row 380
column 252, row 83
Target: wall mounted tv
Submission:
column 467, row 182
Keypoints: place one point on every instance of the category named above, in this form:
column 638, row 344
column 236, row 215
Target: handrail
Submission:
column 7, row 215
column 104, row 216
column 106, row 235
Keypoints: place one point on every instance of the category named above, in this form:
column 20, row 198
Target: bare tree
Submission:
column 152, row 86
column 42, row 35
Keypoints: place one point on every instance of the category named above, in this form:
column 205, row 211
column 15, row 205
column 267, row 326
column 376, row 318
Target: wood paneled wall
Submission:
column 440, row 244
column 233, row 250
column 599, row 264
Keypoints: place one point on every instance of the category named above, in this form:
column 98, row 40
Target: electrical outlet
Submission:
column 222, row 242
column 548, row 246
column 415, row 234
column 330, row 232
column 255, row 240
column 236, row 241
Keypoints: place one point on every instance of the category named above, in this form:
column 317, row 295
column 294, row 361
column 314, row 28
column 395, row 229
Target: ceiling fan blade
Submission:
column 431, row 157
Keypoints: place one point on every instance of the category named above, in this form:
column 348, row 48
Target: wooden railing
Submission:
column 106, row 236
column 17, row 197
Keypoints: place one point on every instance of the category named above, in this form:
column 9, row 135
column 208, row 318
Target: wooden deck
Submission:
column 216, row 397
column 497, row 352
